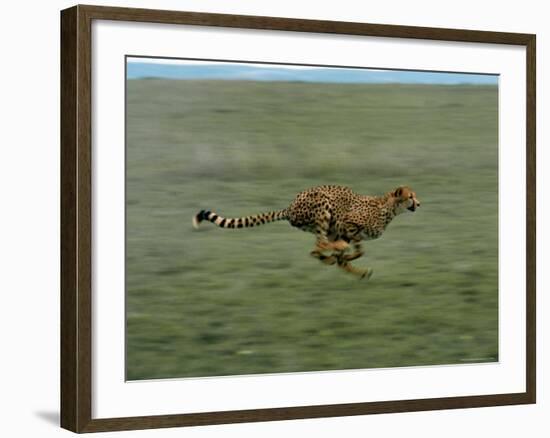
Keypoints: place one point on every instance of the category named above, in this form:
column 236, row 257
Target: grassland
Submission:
column 223, row 302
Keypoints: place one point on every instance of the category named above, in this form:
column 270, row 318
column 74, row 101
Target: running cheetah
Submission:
column 339, row 218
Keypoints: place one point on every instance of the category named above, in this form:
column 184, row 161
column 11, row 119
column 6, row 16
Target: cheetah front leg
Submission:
column 358, row 252
column 340, row 256
column 339, row 246
column 323, row 244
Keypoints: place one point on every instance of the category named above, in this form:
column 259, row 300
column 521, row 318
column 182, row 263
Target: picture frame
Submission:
column 78, row 312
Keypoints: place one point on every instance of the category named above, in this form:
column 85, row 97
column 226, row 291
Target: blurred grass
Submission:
column 223, row 302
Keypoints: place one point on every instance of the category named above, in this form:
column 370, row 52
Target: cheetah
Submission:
column 339, row 218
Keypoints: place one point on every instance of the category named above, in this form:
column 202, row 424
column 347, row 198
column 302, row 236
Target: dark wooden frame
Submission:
column 76, row 219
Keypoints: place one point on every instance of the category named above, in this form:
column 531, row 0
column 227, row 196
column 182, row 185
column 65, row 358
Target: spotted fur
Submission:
column 339, row 218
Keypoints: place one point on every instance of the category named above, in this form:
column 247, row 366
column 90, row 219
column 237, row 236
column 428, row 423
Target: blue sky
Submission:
column 138, row 68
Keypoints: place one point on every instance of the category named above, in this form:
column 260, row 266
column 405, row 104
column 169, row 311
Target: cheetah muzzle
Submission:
column 339, row 218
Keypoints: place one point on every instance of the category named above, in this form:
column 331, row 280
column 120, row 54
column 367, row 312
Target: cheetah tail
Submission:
column 239, row 222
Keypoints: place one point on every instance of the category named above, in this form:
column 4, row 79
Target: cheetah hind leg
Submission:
column 322, row 245
column 345, row 259
column 361, row 272
column 327, row 260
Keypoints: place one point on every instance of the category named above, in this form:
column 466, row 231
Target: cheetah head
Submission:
column 404, row 199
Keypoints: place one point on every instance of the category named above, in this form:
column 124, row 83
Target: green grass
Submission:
column 223, row 302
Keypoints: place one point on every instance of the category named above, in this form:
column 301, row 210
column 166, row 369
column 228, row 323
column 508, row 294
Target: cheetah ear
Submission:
column 398, row 192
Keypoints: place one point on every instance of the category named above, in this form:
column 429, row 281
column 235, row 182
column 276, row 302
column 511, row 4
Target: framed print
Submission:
column 268, row 218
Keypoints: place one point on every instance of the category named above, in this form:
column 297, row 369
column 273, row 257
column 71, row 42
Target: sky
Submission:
column 139, row 68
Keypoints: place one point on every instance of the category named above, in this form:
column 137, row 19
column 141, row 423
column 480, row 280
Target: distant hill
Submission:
column 247, row 72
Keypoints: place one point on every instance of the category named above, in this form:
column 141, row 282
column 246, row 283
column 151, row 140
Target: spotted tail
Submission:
column 239, row 222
